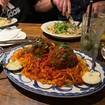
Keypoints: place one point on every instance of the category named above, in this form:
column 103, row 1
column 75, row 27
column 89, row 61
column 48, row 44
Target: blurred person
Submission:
column 45, row 10
column 65, row 8
column 98, row 6
column 19, row 9
column 48, row 10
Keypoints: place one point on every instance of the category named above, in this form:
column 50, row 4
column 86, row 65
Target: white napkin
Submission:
column 9, row 33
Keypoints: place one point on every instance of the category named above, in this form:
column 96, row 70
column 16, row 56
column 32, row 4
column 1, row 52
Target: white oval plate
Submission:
column 54, row 91
column 44, row 28
column 21, row 35
column 13, row 21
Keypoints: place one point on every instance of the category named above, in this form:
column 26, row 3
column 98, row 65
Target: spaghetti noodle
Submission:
column 39, row 69
column 64, row 28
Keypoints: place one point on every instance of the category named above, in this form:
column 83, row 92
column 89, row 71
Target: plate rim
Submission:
column 45, row 93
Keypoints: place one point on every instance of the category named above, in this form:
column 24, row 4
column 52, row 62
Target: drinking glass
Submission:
column 90, row 36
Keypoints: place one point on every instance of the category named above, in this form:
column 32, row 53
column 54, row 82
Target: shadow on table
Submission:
column 87, row 100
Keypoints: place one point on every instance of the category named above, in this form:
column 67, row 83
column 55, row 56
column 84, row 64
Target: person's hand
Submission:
column 64, row 6
column 3, row 3
column 97, row 7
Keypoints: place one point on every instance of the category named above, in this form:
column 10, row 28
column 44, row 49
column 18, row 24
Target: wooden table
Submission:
column 10, row 94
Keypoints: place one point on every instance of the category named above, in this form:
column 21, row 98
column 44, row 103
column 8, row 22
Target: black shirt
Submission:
column 24, row 11
column 20, row 9
column 78, row 7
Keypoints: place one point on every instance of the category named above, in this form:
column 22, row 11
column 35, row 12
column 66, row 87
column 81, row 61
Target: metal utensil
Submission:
column 79, row 23
column 71, row 21
column 89, row 15
column 20, row 41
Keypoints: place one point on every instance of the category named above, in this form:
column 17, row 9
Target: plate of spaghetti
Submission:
column 62, row 29
column 53, row 70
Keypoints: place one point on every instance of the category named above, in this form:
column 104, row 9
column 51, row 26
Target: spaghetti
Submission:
column 39, row 69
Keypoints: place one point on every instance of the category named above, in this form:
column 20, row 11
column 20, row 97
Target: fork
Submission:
column 70, row 20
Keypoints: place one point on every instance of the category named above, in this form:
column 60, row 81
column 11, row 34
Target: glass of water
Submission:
column 90, row 39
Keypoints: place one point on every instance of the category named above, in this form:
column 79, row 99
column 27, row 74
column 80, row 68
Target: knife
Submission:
column 19, row 41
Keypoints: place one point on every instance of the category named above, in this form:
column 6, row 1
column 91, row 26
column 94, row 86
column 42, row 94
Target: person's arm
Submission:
column 98, row 5
column 43, row 5
column 3, row 3
column 64, row 6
